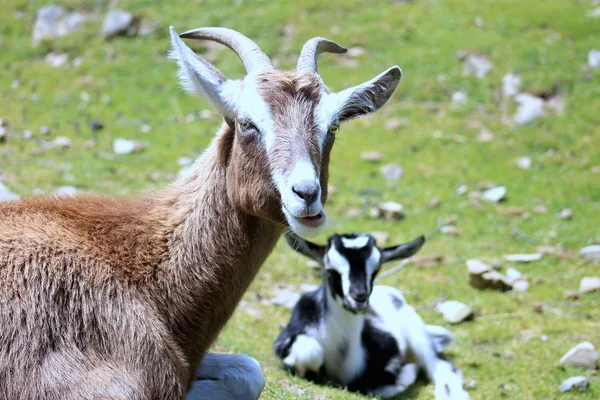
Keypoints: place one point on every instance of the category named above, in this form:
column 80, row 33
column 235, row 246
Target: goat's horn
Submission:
column 311, row 50
column 252, row 56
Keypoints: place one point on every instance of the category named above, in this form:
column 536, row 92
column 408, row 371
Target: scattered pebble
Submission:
column 513, row 274
column 540, row 209
column 52, row 21
column 117, row 22
column 44, row 130
column 477, row 65
column 495, row 194
column 524, row 258
column 566, row 213
column 513, row 211
column 125, row 146
column 145, row 128
column 27, row 134
column 6, row 194
column 579, row 383
column 355, row 51
column 459, row 98
column 380, row 237
column 572, row 295
column 435, row 202
column 511, row 84
column 391, row 172
column 354, row 212
column 372, row 156
column 96, row 125
column 589, row 284
column 454, row 311
column 591, row 252
column 520, row 285
column 56, row 60
column 393, row 124
column 66, row 191
column 524, row 163
column 61, row 142
column 462, row 190
column 2, row 134
column 594, row 58
column 583, row 355
column 595, row 13
column 530, row 108
column 391, row 210
column 286, row 298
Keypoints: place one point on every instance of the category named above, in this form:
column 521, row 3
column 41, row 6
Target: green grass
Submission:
column 130, row 82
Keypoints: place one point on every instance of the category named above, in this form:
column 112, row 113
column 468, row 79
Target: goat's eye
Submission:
column 247, row 127
column 333, row 129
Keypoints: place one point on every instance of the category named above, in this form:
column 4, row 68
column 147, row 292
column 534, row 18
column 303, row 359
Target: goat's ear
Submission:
column 201, row 78
column 302, row 246
column 369, row 97
column 402, row 251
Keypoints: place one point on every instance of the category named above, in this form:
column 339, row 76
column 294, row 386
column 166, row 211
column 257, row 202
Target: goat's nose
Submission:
column 360, row 297
column 307, row 191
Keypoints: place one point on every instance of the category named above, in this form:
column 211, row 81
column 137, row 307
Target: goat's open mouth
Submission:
column 313, row 220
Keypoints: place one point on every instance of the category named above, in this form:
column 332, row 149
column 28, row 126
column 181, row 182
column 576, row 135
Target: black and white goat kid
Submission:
column 363, row 337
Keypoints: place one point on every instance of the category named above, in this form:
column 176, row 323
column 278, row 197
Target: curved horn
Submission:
column 252, row 56
column 311, row 50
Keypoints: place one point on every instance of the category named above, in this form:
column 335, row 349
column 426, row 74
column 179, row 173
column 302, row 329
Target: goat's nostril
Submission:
column 306, row 191
column 360, row 297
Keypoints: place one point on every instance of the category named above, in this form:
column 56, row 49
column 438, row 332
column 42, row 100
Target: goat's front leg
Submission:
column 305, row 357
column 406, row 377
column 227, row 376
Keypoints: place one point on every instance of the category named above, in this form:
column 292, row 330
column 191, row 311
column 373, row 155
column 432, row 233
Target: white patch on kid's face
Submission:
column 339, row 263
column 355, row 243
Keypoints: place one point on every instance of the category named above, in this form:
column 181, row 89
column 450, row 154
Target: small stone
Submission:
column 579, row 383
column 595, row 13
column 393, row 124
column 66, row 191
column 459, row 98
column 513, row 211
column 96, row 125
column 117, row 22
column 145, row 128
column 372, row 156
column 540, row 209
column 354, row 212
column 477, row 65
column 56, row 60
column 462, row 190
column 572, row 295
column 513, row 274
column 61, row 142
column 125, row 146
column 496, row 281
column 449, row 229
column 477, row 267
column 427, row 261
column 589, row 284
column 520, row 285
column 391, row 172
column 511, row 84
column 52, row 21
column 355, row 51
column 485, row 136
column 478, row 21
column 380, row 237
column 530, row 108
column 435, row 202
column 285, row 298
column 27, row 134
column 583, row 355
column 2, row 134
column 44, row 130
column 594, row 58
column 6, row 194
column 495, row 194
column 566, row 213
column 454, row 311
column 591, row 252
column 374, row 213
column 391, row 210
column 524, row 163
column 524, row 258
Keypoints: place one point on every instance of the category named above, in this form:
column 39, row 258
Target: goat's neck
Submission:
column 215, row 251
column 339, row 318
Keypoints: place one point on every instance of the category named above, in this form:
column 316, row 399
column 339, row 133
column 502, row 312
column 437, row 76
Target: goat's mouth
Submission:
column 314, row 221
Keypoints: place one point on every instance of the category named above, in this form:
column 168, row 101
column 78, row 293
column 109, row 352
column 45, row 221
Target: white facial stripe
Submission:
column 251, row 106
column 355, row 243
column 372, row 264
column 340, row 264
column 325, row 115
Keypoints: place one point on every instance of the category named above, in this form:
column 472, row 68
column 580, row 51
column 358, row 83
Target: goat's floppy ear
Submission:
column 402, row 251
column 369, row 97
column 201, row 78
column 302, row 246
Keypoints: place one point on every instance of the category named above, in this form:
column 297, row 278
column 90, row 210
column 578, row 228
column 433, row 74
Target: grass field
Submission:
column 129, row 85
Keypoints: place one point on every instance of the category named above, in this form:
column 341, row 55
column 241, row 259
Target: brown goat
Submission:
column 106, row 298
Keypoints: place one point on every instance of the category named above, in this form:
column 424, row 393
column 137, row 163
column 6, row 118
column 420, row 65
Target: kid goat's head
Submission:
column 351, row 263
column 282, row 124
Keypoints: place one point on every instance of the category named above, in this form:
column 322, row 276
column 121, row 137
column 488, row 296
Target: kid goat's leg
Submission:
column 227, row 376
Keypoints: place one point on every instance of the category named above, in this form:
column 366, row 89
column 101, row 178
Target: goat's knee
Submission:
column 227, row 376
column 305, row 355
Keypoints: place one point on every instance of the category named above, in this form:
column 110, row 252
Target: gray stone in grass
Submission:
column 584, row 355
column 579, row 383
column 495, row 194
column 454, row 311
column 117, row 22
column 589, row 284
column 391, row 172
column 591, row 252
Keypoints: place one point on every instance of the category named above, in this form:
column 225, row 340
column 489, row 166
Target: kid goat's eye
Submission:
column 333, row 129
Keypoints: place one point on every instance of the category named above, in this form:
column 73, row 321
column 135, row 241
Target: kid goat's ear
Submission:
column 302, row 246
column 402, row 251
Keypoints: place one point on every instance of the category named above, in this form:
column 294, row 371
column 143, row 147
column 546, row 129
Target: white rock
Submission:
column 391, row 210
column 462, row 190
column 373, row 156
column 495, row 194
column 285, row 298
column 511, row 84
column 583, row 355
column 524, row 163
column 477, row 65
column 591, row 252
column 594, row 58
column 125, row 146
column 530, row 108
column 477, row 267
column 44, row 130
column 454, row 311
column 459, row 98
column 66, row 191
column 6, row 194
column 524, row 258
column 595, row 13
column 579, row 383
column 117, row 22
column 52, row 21
column 391, row 172
column 589, row 284
column 513, row 274
column 27, row 134
column 520, row 285
column 61, row 142
column 355, row 51
column 566, row 213
column 56, row 60
column 2, row 134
